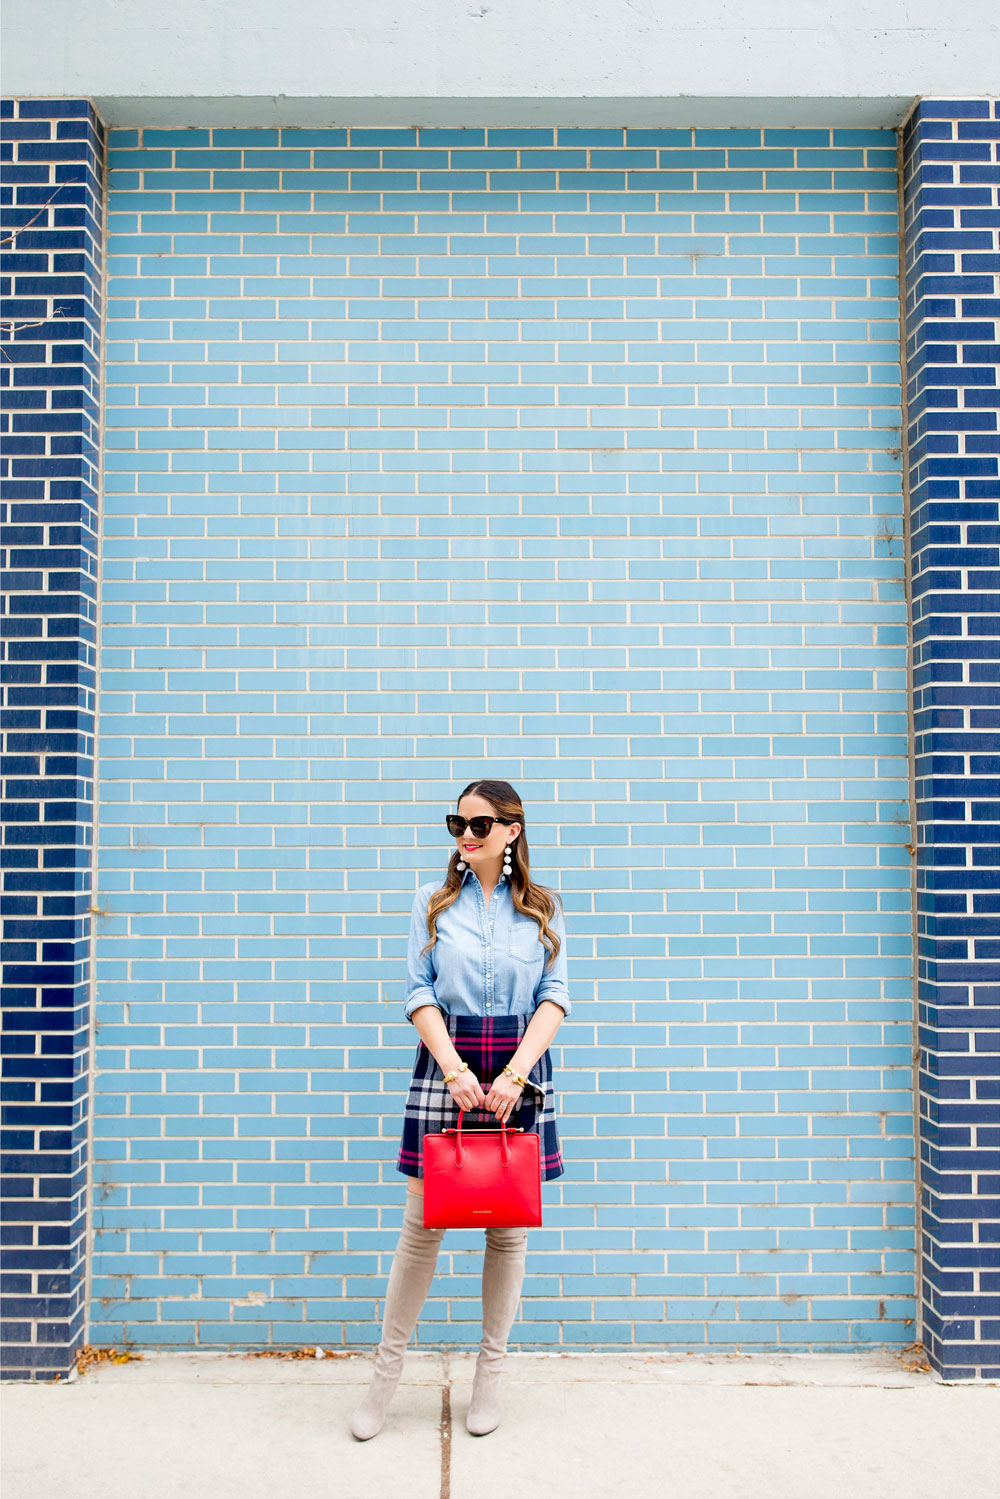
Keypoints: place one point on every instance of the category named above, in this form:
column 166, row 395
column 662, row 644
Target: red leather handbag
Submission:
column 483, row 1177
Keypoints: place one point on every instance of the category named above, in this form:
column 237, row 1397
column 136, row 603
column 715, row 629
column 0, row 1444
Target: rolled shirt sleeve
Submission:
column 554, row 982
column 419, row 969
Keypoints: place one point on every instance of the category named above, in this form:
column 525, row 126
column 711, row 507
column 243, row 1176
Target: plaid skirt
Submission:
column 486, row 1043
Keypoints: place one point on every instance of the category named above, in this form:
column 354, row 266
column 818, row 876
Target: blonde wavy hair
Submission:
column 536, row 901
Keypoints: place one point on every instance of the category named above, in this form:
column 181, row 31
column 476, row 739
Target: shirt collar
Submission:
column 467, row 871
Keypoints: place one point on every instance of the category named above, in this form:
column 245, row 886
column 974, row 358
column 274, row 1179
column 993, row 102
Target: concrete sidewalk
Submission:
column 662, row 1426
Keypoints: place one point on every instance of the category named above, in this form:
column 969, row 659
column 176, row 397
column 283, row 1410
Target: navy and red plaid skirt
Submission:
column 486, row 1042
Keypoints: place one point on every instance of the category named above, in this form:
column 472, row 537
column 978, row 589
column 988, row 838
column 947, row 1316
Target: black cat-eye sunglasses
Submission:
column 480, row 827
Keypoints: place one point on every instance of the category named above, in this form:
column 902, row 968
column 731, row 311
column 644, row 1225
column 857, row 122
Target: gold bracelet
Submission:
column 450, row 1076
column 516, row 1076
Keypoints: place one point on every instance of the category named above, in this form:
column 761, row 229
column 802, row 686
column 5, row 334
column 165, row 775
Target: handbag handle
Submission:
column 504, row 1146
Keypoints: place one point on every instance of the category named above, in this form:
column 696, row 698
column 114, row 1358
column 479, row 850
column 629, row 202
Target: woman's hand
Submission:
column 503, row 1096
column 465, row 1090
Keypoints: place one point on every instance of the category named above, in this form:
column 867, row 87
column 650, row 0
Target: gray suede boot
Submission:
column 410, row 1278
column 503, row 1275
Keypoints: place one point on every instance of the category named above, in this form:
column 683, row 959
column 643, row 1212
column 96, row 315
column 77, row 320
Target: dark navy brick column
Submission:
column 951, row 225
column 52, row 223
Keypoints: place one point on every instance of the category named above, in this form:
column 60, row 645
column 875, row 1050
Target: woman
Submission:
column 486, row 994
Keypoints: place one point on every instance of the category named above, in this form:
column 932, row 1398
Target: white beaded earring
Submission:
column 506, row 861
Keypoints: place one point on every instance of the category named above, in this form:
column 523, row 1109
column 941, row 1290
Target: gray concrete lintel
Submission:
column 267, row 112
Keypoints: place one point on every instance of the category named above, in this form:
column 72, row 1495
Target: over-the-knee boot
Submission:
column 409, row 1281
column 503, row 1275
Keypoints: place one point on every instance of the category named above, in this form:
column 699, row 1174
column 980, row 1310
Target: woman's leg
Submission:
column 503, row 1276
column 413, row 1265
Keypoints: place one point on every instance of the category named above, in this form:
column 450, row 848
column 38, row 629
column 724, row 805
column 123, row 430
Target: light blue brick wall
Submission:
column 567, row 457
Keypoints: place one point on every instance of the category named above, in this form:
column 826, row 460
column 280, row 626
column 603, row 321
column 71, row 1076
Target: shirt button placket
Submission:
column 489, row 959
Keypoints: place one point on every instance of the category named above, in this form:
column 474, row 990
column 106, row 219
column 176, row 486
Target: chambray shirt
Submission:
column 486, row 960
